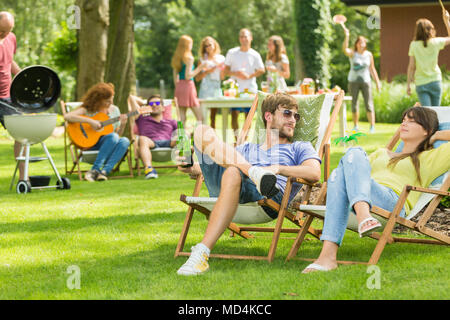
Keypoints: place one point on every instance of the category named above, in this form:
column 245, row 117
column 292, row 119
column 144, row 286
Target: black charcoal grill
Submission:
column 33, row 91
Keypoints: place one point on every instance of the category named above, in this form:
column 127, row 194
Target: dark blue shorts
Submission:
column 212, row 173
column 162, row 144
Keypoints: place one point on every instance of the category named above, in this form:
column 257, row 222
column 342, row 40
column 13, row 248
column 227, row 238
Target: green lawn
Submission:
column 122, row 234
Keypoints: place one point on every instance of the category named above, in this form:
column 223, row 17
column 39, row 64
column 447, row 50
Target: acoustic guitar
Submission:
column 85, row 137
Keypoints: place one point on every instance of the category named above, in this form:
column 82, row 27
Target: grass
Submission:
column 122, row 235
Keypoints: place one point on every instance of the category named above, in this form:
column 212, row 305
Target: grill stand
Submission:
column 24, row 186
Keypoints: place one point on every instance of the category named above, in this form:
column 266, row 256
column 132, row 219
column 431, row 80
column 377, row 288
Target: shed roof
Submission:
column 389, row 2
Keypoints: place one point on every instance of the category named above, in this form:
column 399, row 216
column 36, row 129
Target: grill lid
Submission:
column 35, row 89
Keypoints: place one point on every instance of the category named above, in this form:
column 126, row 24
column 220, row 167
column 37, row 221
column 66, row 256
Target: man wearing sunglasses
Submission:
column 155, row 130
column 249, row 172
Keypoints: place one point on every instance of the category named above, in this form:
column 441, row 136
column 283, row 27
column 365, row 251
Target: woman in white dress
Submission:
column 277, row 62
column 211, row 75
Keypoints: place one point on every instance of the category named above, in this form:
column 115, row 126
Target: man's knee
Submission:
column 203, row 136
column 145, row 142
column 231, row 177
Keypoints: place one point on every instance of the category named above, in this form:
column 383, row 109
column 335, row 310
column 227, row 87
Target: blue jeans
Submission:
column 430, row 94
column 212, row 173
column 350, row 183
column 111, row 148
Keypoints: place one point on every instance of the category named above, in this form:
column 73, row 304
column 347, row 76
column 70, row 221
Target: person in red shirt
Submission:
column 8, row 66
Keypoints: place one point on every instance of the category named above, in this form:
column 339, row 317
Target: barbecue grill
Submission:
column 35, row 89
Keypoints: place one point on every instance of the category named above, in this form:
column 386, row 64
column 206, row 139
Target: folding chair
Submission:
column 87, row 156
column 429, row 199
column 252, row 213
column 158, row 154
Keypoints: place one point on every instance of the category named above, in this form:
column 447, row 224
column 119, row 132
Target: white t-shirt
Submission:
column 248, row 62
column 359, row 67
column 218, row 59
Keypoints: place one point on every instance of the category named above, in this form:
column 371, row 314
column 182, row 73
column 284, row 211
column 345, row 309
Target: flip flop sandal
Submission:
column 370, row 229
column 316, row 267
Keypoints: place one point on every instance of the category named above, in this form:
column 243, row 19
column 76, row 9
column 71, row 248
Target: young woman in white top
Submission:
column 277, row 61
column 362, row 67
column 211, row 75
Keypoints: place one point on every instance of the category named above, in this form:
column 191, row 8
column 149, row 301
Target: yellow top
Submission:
column 433, row 163
column 427, row 69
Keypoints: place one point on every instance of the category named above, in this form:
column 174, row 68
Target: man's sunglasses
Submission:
column 288, row 114
column 154, row 103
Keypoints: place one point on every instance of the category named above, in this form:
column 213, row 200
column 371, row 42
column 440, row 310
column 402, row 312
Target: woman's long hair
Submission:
column 428, row 119
column 96, row 95
column 182, row 52
column 202, row 52
column 279, row 49
column 424, row 31
column 360, row 38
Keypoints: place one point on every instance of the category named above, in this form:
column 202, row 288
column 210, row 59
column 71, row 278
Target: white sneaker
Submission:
column 196, row 264
column 265, row 181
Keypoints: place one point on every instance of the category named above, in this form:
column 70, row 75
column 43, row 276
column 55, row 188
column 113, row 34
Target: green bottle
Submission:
column 184, row 145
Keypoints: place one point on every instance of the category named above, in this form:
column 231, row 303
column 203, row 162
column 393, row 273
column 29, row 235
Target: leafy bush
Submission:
column 63, row 52
column 392, row 100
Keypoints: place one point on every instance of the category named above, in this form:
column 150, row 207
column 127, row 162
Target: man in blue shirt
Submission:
column 249, row 172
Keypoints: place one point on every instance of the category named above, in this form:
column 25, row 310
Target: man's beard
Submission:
column 282, row 134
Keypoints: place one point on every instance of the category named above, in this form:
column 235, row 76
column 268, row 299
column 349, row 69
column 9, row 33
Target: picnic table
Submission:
column 225, row 103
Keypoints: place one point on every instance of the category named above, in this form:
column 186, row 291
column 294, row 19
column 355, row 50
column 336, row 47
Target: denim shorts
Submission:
column 212, row 174
column 430, row 94
column 162, row 144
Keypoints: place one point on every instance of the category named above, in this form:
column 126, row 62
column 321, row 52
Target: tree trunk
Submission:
column 120, row 68
column 93, row 42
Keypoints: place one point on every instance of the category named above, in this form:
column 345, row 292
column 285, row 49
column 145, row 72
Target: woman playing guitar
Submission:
column 97, row 103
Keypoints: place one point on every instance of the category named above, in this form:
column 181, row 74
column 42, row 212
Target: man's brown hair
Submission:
column 273, row 101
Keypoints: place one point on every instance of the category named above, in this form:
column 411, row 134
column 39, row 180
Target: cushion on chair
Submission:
column 162, row 154
column 314, row 115
column 247, row 213
column 89, row 156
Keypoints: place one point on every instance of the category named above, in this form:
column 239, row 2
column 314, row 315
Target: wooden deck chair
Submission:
column 77, row 155
column 158, row 154
column 429, row 199
column 252, row 213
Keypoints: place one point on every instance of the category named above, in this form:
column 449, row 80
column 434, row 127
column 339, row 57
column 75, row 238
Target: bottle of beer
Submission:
column 184, row 145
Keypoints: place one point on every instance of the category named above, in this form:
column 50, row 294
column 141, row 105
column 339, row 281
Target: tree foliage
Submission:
column 313, row 25
column 159, row 24
column 36, row 23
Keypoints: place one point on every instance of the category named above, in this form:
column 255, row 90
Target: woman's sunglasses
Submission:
column 154, row 103
column 288, row 114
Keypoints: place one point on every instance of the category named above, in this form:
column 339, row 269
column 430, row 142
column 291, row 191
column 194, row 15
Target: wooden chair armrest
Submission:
column 427, row 190
column 303, row 181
